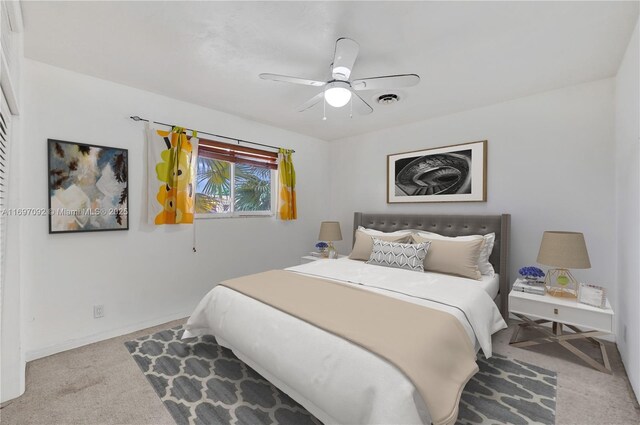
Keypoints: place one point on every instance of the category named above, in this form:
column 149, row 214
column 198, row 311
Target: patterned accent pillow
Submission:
column 399, row 255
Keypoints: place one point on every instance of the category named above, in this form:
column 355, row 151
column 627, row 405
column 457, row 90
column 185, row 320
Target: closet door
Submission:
column 5, row 128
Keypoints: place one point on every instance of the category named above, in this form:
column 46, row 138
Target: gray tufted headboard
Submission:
column 453, row 225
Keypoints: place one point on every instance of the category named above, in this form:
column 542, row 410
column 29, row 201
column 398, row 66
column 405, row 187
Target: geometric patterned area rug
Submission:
column 203, row 383
column 508, row 391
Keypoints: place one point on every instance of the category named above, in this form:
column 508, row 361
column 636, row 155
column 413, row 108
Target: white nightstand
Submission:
column 562, row 312
column 309, row 258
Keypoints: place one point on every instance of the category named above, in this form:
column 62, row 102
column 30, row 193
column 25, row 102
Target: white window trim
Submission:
column 244, row 214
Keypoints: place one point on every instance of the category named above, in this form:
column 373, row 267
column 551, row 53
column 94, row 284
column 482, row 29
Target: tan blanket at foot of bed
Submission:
column 430, row 346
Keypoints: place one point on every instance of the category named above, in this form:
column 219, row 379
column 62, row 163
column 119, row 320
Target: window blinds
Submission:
column 237, row 154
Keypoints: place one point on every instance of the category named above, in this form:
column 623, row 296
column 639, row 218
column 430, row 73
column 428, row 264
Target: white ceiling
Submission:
column 468, row 54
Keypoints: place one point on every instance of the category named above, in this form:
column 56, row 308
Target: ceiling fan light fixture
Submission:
column 337, row 94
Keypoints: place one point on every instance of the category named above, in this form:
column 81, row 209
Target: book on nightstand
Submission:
column 529, row 286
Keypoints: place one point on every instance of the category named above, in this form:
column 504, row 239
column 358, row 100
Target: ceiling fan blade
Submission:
column 311, row 102
column 294, row 80
column 344, row 58
column 360, row 105
column 386, row 82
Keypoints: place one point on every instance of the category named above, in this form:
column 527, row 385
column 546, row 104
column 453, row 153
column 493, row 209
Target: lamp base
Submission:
column 331, row 251
column 561, row 292
column 561, row 283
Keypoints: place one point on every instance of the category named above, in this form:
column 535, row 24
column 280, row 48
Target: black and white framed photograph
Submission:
column 456, row 173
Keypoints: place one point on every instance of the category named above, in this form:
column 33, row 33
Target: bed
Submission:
column 337, row 379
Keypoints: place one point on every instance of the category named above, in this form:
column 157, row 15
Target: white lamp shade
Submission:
column 330, row 231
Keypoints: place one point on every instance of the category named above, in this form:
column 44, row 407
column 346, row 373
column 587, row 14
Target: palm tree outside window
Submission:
column 234, row 182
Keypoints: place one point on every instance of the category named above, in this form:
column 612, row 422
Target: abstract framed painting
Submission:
column 456, row 173
column 88, row 187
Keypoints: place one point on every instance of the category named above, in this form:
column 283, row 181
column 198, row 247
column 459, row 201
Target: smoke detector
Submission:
column 388, row 99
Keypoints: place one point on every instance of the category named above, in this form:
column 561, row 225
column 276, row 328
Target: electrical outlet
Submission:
column 98, row 311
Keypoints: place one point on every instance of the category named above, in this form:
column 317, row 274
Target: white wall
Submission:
column 148, row 274
column 550, row 165
column 627, row 137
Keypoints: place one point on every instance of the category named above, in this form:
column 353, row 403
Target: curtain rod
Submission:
column 137, row 118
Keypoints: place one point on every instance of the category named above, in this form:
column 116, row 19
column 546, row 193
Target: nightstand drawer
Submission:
column 577, row 315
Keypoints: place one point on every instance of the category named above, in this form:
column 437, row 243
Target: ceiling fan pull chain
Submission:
column 351, row 106
column 324, row 109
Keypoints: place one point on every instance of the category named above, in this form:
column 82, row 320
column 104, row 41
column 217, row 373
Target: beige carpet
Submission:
column 101, row 384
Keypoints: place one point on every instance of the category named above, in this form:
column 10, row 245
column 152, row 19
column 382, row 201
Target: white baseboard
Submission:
column 101, row 336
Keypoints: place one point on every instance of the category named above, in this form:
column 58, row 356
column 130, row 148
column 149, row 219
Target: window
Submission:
column 233, row 180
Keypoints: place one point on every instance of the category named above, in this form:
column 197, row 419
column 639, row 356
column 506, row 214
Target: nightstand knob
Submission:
column 555, row 311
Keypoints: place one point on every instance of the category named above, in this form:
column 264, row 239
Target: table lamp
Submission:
column 564, row 251
column 329, row 232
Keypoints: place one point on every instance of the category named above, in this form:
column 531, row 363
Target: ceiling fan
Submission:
column 339, row 90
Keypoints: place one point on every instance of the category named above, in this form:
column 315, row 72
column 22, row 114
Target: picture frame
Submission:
column 592, row 295
column 454, row 173
column 88, row 187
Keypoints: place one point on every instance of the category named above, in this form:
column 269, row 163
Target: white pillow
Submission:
column 374, row 232
column 484, row 265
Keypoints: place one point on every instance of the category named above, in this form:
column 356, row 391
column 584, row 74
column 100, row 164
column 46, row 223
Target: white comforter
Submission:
column 334, row 379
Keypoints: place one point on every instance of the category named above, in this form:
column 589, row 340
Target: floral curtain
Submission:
column 172, row 161
column 287, row 209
